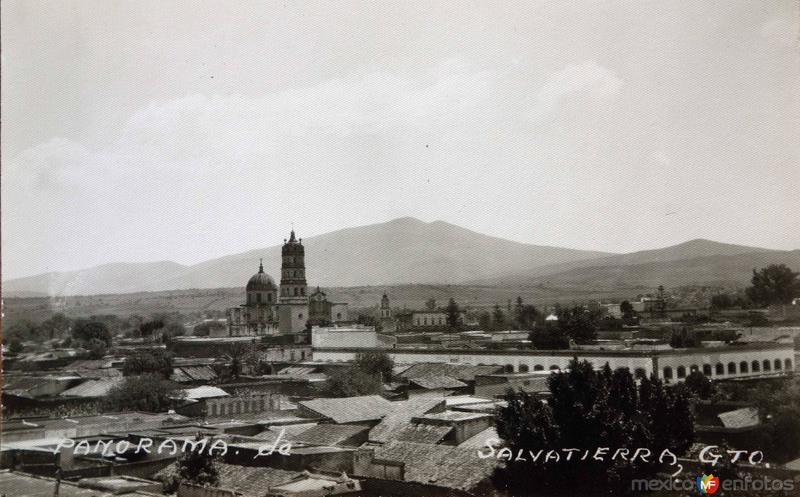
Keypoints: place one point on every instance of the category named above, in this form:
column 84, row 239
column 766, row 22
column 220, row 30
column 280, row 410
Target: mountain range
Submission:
column 408, row 250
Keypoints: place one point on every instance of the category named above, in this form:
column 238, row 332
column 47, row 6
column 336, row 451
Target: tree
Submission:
column 778, row 409
column 626, row 308
column 683, row 339
column 700, row 385
column 173, row 330
column 148, row 392
column 198, row 467
column 15, row 346
column 352, row 381
column 453, row 315
column 375, row 363
column 577, row 324
column 206, row 328
column 241, row 354
column 774, row 284
column 154, row 361
column 97, row 348
column 365, row 376
column 524, row 315
column 57, row 325
column 485, row 321
column 498, row 318
column 589, row 409
column 721, row 301
column 430, row 304
column 147, row 328
column 85, row 330
column 549, row 338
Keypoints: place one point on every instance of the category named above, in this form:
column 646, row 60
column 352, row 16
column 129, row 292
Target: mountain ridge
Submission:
column 400, row 251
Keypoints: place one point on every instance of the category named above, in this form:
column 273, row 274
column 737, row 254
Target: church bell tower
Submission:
column 294, row 288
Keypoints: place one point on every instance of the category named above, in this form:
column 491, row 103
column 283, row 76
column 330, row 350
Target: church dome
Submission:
column 261, row 281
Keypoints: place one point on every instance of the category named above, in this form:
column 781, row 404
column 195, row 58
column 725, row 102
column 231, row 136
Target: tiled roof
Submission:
column 298, row 370
column 329, row 434
column 739, row 418
column 249, row 481
column 401, row 415
column 424, row 434
column 99, row 373
column 185, row 374
column 463, row 372
column 436, row 382
column 204, row 392
column 92, row 388
column 252, row 481
column 350, row 409
column 478, row 441
column 440, row 465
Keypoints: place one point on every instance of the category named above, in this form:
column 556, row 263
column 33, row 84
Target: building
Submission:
column 322, row 312
column 350, row 336
column 272, row 310
column 739, row 361
column 385, row 318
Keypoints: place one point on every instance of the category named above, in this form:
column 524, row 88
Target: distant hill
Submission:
column 715, row 270
column 693, row 249
column 402, row 251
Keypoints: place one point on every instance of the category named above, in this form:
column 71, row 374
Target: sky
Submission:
column 147, row 130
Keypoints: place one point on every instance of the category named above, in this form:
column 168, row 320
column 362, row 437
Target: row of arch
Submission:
column 524, row 368
column 720, row 369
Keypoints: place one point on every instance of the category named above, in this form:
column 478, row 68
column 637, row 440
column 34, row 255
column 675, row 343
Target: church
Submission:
column 288, row 309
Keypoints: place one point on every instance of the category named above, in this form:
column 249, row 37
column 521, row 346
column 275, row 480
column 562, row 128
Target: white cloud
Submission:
column 587, row 78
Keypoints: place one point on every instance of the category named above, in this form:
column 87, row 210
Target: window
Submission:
column 538, row 367
column 693, row 368
column 668, row 373
column 720, row 368
column 640, row 373
column 523, row 368
column 338, row 315
column 303, row 291
column 269, row 297
column 681, row 372
column 554, row 367
column 767, row 365
column 258, row 298
column 299, row 316
column 787, row 364
column 756, row 367
column 777, row 364
column 707, row 369
column 296, row 292
column 743, row 367
column 509, row 368
column 731, row 368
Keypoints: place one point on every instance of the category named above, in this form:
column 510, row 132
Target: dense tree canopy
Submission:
column 375, row 363
column 149, row 393
column 588, row 409
column 774, row 284
column 85, row 330
column 152, row 361
column 364, row 377
column 198, row 467
column 453, row 315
